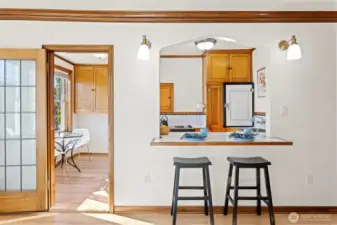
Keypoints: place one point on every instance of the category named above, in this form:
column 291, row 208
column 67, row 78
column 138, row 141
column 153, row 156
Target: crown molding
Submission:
column 168, row 16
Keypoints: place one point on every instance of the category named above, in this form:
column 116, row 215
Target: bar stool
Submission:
column 192, row 163
column 252, row 163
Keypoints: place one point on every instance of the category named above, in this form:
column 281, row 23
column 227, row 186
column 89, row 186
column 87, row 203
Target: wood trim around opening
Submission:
column 219, row 209
column 109, row 49
column 169, row 16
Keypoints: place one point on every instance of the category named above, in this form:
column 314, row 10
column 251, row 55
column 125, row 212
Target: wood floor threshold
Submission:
column 168, row 16
column 219, row 209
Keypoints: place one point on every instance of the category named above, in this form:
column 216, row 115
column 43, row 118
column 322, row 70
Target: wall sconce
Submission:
column 144, row 49
column 292, row 47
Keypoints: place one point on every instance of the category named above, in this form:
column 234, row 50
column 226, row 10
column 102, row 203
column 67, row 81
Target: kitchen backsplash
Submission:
column 259, row 122
column 197, row 121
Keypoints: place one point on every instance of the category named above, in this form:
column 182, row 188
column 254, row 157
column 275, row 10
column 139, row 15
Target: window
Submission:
column 60, row 95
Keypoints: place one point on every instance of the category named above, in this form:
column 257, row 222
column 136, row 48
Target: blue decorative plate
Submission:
column 193, row 137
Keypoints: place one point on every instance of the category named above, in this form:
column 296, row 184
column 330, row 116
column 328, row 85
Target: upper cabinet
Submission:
column 218, row 68
column 84, row 86
column 228, row 66
column 166, row 97
column 241, row 68
column 101, row 89
column 91, row 88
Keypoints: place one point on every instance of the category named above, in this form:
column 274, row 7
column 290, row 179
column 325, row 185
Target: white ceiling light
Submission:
column 144, row 49
column 293, row 49
column 101, row 55
column 205, row 44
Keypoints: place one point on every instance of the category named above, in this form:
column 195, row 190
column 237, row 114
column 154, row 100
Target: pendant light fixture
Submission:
column 144, row 49
column 293, row 49
column 205, row 44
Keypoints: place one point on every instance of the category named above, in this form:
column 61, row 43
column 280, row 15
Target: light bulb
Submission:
column 294, row 52
column 143, row 52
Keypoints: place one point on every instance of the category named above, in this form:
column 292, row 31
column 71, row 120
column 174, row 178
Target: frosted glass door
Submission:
column 17, row 112
column 21, row 145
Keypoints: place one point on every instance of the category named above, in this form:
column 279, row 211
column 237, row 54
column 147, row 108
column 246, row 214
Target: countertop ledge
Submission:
column 217, row 139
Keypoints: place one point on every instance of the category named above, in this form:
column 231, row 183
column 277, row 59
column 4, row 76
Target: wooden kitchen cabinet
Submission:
column 101, row 89
column 241, row 68
column 166, row 97
column 228, row 66
column 214, row 107
column 218, row 68
column 91, row 88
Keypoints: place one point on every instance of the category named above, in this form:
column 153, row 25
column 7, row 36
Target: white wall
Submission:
column 307, row 87
column 98, row 128
column 186, row 74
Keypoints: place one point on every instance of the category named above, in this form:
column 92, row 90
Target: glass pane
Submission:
column 2, row 72
column 2, row 99
column 13, row 155
column 12, row 126
column 28, row 99
column 12, row 72
column 12, row 99
column 28, row 178
column 2, row 178
column 2, row 153
column 13, row 177
column 2, row 126
column 28, row 72
column 28, row 152
column 28, row 125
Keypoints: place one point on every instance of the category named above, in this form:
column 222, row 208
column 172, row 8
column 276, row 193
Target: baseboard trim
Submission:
column 219, row 209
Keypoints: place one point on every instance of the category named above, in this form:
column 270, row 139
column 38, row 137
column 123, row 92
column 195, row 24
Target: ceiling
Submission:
column 189, row 47
column 83, row 58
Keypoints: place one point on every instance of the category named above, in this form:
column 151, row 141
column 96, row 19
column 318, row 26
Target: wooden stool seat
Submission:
column 191, row 162
column 249, row 161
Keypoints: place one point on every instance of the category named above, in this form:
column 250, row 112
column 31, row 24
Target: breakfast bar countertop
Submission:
column 216, row 139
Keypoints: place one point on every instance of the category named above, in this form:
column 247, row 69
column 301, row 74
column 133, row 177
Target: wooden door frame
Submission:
column 109, row 49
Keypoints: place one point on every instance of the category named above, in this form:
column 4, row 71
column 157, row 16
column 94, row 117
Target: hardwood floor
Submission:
column 154, row 219
column 85, row 191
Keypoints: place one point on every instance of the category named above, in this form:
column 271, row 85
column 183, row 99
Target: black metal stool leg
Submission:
column 270, row 201
column 258, row 191
column 174, row 184
column 236, row 195
column 176, row 191
column 209, row 192
column 205, row 190
column 229, row 182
